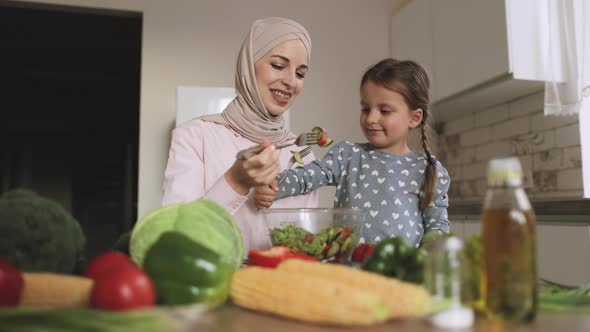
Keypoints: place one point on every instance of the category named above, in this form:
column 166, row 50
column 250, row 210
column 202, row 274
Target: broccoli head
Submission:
column 38, row 234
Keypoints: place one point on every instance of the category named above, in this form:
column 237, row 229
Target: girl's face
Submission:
column 386, row 119
column 280, row 74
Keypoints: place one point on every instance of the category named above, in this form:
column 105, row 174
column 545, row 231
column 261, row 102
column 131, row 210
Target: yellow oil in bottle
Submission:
column 508, row 282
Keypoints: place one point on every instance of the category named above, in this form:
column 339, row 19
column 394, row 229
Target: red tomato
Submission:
column 323, row 139
column 107, row 262
column 358, row 253
column 125, row 288
column 11, row 284
column 369, row 251
column 362, row 252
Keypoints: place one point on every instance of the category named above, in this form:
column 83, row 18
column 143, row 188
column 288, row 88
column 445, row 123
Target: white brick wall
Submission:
column 511, row 128
column 476, row 136
column 526, row 162
column 540, row 121
column 568, row 136
column 474, row 171
column 547, row 140
column 465, row 189
column 572, row 157
column 547, row 146
column 468, row 155
column 491, row 116
column 480, row 187
column 455, row 173
column 548, row 160
column 495, row 149
column 460, row 125
column 569, row 179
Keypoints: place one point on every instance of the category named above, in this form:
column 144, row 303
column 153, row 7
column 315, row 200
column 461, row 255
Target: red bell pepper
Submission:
column 274, row 256
column 362, row 252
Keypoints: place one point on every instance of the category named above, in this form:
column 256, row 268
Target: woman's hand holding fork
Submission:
column 260, row 169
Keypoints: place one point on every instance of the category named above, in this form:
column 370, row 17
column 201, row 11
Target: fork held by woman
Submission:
column 301, row 140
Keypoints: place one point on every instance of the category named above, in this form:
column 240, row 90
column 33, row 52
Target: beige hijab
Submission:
column 246, row 113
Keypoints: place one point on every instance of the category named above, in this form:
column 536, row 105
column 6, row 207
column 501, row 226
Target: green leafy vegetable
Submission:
column 473, row 254
column 557, row 297
column 38, row 234
column 331, row 242
column 83, row 320
column 203, row 221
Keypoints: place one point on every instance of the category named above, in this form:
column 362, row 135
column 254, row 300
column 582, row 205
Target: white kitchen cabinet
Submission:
column 478, row 52
column 470, row 44
column 411, row 33
column 563, row 252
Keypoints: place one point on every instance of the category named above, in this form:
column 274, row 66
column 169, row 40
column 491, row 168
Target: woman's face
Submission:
column 280, row 74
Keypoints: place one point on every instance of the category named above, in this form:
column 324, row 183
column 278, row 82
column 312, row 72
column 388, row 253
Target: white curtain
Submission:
column 567, row 87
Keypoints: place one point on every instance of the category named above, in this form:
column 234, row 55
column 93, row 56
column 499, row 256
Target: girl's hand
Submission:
column 265, row 195
column 258, row 170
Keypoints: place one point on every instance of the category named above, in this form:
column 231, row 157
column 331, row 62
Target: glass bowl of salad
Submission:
column 328, row 234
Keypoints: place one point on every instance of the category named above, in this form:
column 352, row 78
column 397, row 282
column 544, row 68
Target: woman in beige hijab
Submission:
column 271, row 69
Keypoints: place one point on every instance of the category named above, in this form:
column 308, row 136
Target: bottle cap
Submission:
column 504, row 172
column 453, row 244
column 454, row 318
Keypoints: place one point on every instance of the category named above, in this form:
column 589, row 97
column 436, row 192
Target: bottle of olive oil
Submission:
column 508, row 260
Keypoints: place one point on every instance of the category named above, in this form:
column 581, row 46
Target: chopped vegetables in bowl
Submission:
column 326, row 234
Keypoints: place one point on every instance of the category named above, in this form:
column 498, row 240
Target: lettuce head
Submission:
column 204, row 221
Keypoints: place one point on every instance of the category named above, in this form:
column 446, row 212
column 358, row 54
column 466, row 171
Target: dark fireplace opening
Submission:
column 69, row 111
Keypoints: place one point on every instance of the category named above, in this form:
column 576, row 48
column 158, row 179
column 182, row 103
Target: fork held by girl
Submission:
column 403, row 191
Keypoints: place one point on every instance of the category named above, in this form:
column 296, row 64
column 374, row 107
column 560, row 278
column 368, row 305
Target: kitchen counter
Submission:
column 233, row 319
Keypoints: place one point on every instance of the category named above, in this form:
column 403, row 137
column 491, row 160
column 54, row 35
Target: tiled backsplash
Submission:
column 548, row 148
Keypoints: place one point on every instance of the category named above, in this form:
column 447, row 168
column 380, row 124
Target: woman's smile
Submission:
column 282, row 97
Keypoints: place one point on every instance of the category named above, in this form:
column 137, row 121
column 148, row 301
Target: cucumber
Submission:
column 297, row 157
column 318, row 130
column 328, row 143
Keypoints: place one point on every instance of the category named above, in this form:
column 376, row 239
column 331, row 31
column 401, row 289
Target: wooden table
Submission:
column 233, row 319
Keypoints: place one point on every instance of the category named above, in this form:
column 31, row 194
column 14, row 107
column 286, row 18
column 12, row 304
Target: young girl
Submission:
column 403, row 191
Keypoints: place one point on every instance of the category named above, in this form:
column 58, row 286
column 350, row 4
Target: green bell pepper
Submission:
column 186, row 272
column 393, row 257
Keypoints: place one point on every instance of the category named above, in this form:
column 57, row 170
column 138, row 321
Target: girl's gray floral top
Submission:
column 387, row 185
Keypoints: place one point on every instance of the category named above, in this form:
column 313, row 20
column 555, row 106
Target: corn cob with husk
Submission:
column 403, row 299
column 305, row 297
column 52, row 290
